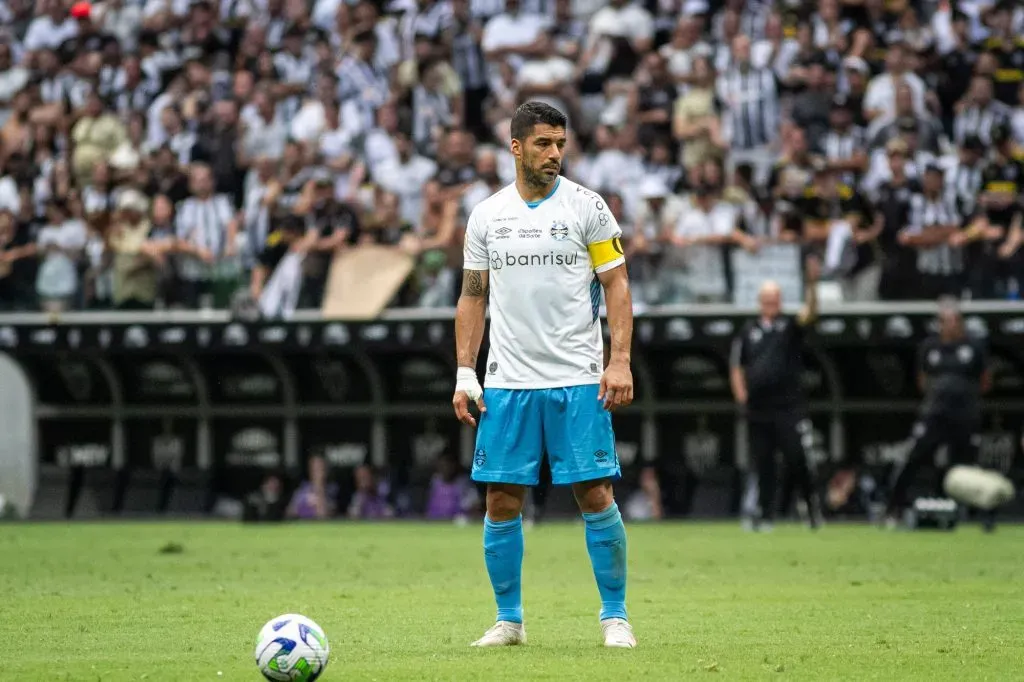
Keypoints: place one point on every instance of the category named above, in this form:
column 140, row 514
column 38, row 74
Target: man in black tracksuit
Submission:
column 765, row 372
column 952, row 373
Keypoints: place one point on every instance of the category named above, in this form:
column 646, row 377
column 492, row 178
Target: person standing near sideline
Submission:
column 765, row 368
column 953, row 374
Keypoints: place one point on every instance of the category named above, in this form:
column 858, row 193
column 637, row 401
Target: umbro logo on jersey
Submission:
column 503, row 231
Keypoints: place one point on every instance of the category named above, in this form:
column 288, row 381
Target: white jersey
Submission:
column 543, row 259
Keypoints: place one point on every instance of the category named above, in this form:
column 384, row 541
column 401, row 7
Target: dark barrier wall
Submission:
column 168, row 412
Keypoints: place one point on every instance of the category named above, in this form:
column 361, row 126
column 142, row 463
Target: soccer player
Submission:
column 765, row 368
column 540, row 251
column 953, row 374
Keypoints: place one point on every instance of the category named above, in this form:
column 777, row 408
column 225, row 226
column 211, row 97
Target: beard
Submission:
column 535, row 176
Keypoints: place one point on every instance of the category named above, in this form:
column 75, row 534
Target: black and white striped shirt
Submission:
column 964, row 182
column 468, row 59
column 54, row 89
column 430, row 21
column 980, row 121
column 293, row 71
column 124, row 98
column 366, row 84
column 842, row 146
column 203, row 223
column 751, row 106
column 430, row 110
column 927, row 213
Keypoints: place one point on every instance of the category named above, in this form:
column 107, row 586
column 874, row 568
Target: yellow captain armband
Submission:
column 603, row 253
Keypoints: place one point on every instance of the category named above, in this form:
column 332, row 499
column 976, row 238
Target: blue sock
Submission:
column 606, row 543
column 503, row 554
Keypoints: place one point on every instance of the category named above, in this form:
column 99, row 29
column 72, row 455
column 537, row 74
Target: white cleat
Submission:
column 503, row 633
column 618, row 633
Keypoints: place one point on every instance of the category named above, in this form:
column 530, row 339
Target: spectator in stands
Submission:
column 934, row 221
column 137, row 259
column 452, row 495
column 693, row 269
column 370, row 498
column 880, row 245
column 165, row 177
column 218, row 144
column 60, row 243
column 96, row 135
column 652, row 108
column 315, row 498
column 844, row 144
column 794, row 170
column 812, row 107
column 406, row 175
column 206, row 231
column 996, row 230
column 905, row 119
column 915, row 158
column 17, row 249
column 659, row 210
column 695, row 120
column 437, row 231
column 277, row 279
column 751, row 107
column 880, row 98
column 978, row 113
column 855, row 72
column 335, row 225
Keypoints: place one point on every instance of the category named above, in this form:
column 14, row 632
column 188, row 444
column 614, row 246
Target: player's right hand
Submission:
column 461, row 404
column 467, row 388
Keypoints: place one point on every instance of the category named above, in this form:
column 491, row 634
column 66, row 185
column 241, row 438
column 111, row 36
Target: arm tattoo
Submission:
column 473, row 283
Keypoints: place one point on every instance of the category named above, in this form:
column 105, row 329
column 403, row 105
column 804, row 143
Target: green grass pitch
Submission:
column 100, row 602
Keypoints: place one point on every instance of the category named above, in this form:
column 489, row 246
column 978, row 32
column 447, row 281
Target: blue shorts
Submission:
column 521, row 425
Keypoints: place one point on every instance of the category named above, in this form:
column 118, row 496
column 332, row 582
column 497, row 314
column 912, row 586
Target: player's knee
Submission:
column 505, row 502
column 593, row 496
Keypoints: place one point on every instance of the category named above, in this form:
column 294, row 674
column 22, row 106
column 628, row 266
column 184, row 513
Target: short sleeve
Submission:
column 601, row 233
column 474, row 251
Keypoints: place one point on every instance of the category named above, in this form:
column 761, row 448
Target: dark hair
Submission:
column 533, row 113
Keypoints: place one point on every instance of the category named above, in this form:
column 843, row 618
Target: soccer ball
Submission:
column 291, row 648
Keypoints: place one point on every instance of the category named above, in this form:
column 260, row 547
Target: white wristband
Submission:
column 465, row 380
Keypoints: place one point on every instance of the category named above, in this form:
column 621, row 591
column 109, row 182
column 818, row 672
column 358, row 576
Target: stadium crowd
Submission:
column 171, row 152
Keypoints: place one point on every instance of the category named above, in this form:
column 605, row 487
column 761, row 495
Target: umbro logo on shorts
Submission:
column 600, row 455
column 479, row 458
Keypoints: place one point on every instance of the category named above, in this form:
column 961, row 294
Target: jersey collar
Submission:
column 535, row 204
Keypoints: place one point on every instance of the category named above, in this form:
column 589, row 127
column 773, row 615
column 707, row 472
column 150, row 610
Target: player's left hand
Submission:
column 616, row 386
